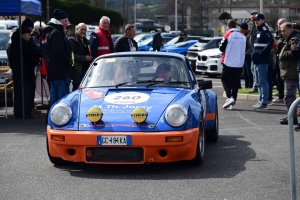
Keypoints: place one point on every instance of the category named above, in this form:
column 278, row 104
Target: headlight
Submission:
column 60, row 114
column 216, row 56
column 176, row 115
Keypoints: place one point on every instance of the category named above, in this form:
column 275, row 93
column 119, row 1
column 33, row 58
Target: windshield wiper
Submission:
column 177, row 82
column 151, row 82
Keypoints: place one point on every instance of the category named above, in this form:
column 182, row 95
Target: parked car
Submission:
column 147, row 44
column 194, row 49
column 141, row 37
column 4, row 38
column 175, row 39
column 126, row 112
column 169, row 35
column 115, row 37
column 10, row 23
column 3, row 26
column 181, row 47
column 209, row 62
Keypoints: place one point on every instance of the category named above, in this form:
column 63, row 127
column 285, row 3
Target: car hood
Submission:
column 211, row 52
column 117, row 106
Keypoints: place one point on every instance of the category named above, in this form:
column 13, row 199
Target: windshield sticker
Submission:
column 110, row 60
column 127, row 98
column 95, row 94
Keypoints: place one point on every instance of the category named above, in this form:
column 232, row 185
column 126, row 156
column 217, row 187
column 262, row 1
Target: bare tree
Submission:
column 199, row 12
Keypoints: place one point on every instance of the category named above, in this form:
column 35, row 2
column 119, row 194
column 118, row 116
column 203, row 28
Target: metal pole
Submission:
column 292, row 148
column 134, row 12
column 261, row 5
column 176, row 16
column 48, row 11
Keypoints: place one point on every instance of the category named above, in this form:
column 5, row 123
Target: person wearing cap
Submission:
column 181, row 38
column 233, row 46
column 126, row 42
column 163, row 72
column 288, row 67
column 58, row 55
column 30, row 52
column 100, row 40
column 79, row 44
column 251, row 39
column 276, row 77
column 157, row 41
column 68, row 28
column 261, row 55
column 248, row 76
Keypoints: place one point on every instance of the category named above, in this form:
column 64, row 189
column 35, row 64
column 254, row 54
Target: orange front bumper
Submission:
column 74, row 148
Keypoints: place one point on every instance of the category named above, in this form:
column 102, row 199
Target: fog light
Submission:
column 58, row 138
column 174, row 139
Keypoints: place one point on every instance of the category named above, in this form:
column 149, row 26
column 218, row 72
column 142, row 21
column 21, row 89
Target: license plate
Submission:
column 114, row 140
column 201, row 64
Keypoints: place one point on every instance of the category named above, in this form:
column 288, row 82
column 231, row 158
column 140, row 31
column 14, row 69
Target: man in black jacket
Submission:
column 81, row 52
column 157, row 41
column 58, row 56
column 126, row 42
column 30, row 53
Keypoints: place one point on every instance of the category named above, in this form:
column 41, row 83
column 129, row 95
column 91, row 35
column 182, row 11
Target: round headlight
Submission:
column 176, row 115
column 60, row 114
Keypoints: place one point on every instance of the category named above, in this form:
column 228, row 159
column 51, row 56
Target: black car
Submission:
column 203, row 44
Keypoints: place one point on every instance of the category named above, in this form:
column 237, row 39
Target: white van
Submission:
column 10, row 23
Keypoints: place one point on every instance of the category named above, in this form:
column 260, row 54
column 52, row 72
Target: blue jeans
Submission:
column 270, row 78
column 254, row 76
column 262, row 82
column 59, row 89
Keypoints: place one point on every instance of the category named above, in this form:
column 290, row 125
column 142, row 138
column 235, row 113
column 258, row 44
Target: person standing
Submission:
column 276, row 77
column 157, row 41
column 57, row 52
column 233, row 46
column 181, row 38
column 288, row 67
column 81, row 52
column 30, row 54
column 261, row 55
column 68, row 28
column 126, row 42
column 248, row 76
column 100, row 40
column 251, row 39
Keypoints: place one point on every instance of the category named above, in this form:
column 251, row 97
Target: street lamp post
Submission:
column 134, row 12
column 176, row 16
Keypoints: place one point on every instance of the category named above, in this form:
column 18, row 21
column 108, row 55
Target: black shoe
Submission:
column 284, row 121
column 253, row 91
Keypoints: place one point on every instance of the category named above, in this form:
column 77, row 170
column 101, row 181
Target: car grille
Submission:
column 114, row 155
column 203, row 58
column 192, row 54
column 214, row 67
column 201, row 67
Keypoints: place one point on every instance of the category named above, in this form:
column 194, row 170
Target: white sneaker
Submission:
column 232, row 107
column 229, row 102
column 277, row 100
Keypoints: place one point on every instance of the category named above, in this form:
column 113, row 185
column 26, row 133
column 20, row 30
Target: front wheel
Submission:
column 199, row 158
column 213, row 134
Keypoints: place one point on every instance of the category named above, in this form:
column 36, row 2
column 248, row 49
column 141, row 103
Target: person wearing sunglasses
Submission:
column 68, row 28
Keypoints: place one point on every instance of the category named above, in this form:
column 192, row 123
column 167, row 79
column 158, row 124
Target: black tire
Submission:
column 199, row 158
column 213, row 134
column 54, row 160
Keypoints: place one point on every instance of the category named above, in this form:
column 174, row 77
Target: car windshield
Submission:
column 4, row 37
column 128, row 71
column 173, row 41
column 145, row 42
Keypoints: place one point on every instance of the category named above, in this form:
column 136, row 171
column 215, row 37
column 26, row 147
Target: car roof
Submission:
column 143, row 53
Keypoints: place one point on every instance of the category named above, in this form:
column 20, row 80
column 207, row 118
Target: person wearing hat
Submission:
column 57, row 53
column 68, row 28
column 30, row 53
column 181, row 38
column 248, row 76
column 261, row 55
column 157, row 41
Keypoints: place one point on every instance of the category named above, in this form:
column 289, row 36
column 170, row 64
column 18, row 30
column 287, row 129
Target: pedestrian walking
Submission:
column 233, row 46
column 126, row 42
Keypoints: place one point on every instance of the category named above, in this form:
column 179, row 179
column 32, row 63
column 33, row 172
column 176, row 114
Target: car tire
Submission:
column 213, row 134
column 199, row 158
column 212, row 75
column 54, row 160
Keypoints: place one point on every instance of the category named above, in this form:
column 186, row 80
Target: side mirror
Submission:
column 203, row 85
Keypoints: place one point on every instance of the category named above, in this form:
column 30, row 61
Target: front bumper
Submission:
column 79, row 145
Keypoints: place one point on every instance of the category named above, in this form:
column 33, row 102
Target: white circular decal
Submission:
column 126, row 98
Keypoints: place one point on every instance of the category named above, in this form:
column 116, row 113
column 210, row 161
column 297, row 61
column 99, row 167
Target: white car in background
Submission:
column 209, row 62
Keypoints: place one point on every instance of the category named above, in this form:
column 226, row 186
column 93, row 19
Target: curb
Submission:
column 250, row 97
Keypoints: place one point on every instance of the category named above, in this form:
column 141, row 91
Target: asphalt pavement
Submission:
column 250, row 161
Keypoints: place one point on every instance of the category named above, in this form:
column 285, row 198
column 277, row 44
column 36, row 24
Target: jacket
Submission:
column 157, row 40
column 248, row 43
column 123, row 44
column 30, row 53
column 297, row 55
column 80, row 52
column 233, row 46
column 57, row 51
column 101, row 43
column 263, row 42
column 287, row 60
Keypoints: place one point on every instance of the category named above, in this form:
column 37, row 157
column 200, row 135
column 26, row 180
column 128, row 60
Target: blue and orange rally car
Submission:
column 134, row 108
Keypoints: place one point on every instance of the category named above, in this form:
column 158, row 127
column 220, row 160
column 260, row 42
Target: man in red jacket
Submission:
column 100, row 40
